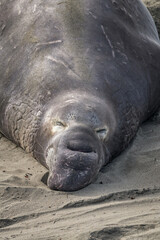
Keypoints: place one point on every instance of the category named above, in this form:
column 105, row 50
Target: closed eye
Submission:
column 58, row 123
column 58, row 126
column 102, row 133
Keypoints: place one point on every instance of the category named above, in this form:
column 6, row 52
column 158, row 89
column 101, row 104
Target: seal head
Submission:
column 73, row 140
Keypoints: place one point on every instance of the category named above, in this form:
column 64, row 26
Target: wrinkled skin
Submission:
column 77, row 78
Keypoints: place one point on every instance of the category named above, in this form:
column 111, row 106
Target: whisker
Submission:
column 40, row 146
column 38, row 152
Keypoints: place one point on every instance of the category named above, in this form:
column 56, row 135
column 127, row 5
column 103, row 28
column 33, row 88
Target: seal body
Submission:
column 77, row 78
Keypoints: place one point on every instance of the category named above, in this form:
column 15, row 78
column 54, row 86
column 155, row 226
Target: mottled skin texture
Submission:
column 77, row 78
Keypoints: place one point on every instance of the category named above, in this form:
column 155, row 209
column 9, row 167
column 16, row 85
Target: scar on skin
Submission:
column 49, row 43
column 62, row 63
column 92, row 15
column 56, row 61
column 110, row 44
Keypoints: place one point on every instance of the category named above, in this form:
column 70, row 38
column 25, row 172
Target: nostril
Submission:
column 79, row 147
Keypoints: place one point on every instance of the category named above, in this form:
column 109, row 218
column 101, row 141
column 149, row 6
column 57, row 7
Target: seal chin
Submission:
column 70, row 179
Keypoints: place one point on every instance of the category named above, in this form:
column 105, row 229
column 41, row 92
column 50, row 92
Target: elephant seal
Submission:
column 77, row 78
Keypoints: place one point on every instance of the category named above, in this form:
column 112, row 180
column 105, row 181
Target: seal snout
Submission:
column 77, row 162
column 75, row 168
column 79, row 157
column 84, row 147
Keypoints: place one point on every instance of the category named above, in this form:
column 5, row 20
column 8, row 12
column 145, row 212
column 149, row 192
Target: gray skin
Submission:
column 77, row 78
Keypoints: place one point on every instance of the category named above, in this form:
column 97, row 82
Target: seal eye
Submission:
column 102, row 133
column 57, row 127
column 60, row 124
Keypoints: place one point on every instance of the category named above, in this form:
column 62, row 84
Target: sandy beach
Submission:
column 122, row 204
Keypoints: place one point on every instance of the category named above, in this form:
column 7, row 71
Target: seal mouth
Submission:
column 69, row 179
